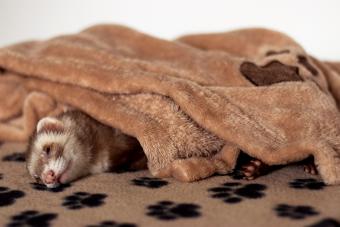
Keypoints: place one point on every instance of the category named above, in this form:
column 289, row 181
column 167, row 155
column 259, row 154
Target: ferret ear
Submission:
column 50, row 124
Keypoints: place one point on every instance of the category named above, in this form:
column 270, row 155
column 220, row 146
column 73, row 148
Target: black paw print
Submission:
column 327, row 222
column 8, row 197
column 15, row 157
column 113, row 224
column 308, row 183
column 83, row 199
column 149, row 182
column 41, row 187
column 233, row 192
column 167, row 210
column 295, row 212
column 32, row 218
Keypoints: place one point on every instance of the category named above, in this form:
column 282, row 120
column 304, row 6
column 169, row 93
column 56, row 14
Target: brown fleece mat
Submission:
column 287, row 197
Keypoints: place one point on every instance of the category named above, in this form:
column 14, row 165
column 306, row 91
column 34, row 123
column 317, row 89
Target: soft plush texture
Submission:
column 254, row 89
column 286, row 197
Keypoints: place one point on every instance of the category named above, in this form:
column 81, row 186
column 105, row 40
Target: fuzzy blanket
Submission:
column 192, row 103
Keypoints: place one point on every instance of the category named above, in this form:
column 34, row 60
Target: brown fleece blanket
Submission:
column 255, row 90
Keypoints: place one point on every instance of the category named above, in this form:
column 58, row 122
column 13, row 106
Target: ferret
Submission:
column 73, row 145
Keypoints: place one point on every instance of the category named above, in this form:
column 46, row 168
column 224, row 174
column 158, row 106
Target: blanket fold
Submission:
column 254, row 89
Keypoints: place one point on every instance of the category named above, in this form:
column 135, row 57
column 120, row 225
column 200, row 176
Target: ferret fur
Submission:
column 77, row 146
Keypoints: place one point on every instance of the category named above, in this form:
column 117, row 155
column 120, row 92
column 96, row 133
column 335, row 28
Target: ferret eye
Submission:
column 47, row 150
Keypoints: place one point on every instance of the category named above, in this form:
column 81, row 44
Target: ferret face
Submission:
column 52, row 154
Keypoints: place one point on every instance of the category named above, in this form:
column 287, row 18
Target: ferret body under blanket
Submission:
column 192, row 103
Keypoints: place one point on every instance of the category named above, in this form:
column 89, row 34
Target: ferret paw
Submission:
column 310, row 168
column 254, row 169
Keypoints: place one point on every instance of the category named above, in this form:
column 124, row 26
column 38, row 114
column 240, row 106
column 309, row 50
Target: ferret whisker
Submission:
column 57, row 165
column 61, row 164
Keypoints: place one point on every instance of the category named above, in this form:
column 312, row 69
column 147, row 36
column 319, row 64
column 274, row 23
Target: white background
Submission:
column 314, row 23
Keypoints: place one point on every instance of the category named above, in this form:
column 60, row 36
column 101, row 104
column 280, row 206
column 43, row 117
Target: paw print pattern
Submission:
column 167, row 210
column 15, row 157
column 41, row 187
column 149, row 182
column 294, row 212
column 234, row 192
column 113, row 224
column 83, row 199
column 32, row 218
column 271, row 73
column 327, row 222
column 8, row 197
column 308, row 183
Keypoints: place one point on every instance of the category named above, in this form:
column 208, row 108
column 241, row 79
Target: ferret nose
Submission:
column 50, row 177
column 50, row 173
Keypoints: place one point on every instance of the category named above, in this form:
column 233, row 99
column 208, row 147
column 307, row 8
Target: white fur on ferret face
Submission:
column 67, row 163
column 40, row 163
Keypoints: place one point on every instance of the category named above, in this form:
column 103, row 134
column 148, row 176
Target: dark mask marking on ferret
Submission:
column 271, row 73
column 53, row 150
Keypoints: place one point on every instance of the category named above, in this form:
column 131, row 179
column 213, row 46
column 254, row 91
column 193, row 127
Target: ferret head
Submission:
column 54, row 154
